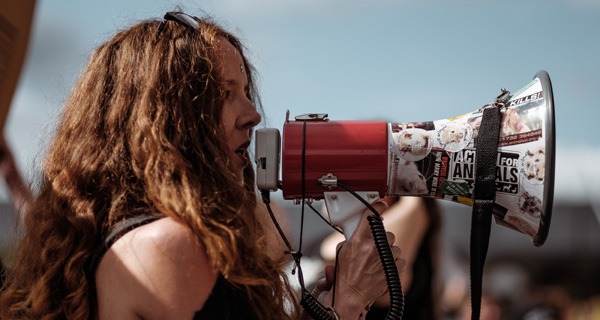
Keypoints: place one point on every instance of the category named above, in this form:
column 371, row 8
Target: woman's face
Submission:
column 239, row 115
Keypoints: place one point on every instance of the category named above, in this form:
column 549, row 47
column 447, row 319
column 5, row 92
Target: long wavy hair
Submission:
column 140, row 133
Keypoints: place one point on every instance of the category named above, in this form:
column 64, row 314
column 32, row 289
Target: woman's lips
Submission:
column 242, row 154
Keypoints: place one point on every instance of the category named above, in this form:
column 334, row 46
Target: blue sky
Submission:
column 397, row 61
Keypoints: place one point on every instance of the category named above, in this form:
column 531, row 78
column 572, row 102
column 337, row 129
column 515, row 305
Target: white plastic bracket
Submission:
column 345, row 210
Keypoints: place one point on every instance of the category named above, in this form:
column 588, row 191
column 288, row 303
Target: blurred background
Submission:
column 399, row 61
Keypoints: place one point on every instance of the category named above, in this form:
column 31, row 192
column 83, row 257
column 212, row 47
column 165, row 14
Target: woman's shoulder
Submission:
column 159, row 270
column 163, row 234
column 161, row 241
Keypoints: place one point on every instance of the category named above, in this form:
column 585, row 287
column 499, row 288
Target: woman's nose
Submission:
column 250, row 118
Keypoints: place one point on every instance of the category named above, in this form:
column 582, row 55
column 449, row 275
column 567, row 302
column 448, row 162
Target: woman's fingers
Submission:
column 396, row 251
column 339, row 245
column 391, row 238
column 400, row 263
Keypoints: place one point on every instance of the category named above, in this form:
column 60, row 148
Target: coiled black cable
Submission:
column 313, row 308
column 389, row 267
column 317, row 311
column 387, row 258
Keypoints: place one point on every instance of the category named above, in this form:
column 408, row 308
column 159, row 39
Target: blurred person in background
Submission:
column 19, row 190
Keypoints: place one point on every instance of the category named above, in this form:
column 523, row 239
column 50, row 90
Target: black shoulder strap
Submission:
column 123, row 227
column 117, row 231
column 484, row 195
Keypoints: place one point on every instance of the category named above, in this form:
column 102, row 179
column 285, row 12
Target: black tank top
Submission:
column 225, row 301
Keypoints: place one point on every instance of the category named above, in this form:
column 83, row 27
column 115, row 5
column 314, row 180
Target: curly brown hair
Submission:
column 139, row 134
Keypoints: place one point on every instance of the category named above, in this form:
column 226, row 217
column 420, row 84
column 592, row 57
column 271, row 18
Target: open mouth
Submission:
column 241, row 151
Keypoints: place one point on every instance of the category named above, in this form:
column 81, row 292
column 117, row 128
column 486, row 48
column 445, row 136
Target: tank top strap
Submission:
column 123, row 227
column 116, row 232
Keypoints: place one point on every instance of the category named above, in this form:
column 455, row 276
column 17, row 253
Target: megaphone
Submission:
column 434, row 159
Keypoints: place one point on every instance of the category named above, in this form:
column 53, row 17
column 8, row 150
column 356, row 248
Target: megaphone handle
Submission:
column 349, row 227
column 345, row 209
column 396, row 309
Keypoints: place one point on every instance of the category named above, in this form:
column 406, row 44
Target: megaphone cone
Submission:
column 433, row 159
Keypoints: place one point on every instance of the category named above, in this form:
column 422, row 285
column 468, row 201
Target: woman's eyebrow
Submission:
column 231, row 82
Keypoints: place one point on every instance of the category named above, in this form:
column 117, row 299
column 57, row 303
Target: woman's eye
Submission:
column 227, row 93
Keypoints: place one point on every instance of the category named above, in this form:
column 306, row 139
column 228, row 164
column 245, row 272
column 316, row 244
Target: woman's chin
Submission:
column 239, row 175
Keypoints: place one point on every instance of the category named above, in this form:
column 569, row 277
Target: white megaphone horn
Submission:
column 434, row 159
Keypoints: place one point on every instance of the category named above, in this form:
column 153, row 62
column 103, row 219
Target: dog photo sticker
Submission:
column 454, row 136
column 530, row 204
column 412, row 144
column 533, row 165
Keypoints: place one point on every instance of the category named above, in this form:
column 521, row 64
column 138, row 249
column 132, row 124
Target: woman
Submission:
column 154, row 138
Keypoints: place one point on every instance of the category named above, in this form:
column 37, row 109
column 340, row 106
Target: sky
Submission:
column 399, row 61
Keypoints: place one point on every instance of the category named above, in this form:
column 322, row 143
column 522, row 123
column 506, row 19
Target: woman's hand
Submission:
column 360, row 276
